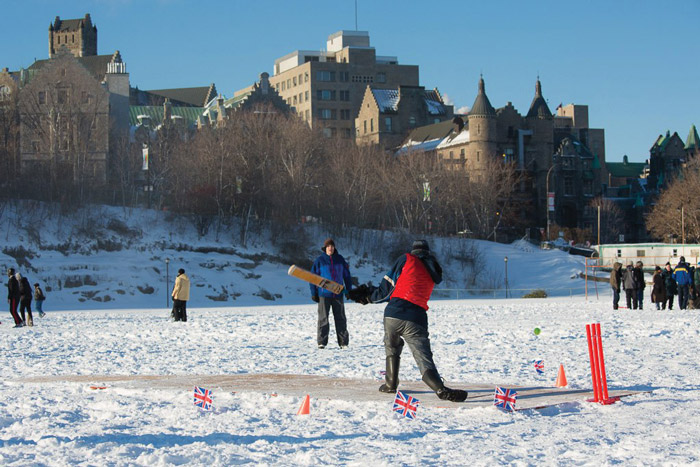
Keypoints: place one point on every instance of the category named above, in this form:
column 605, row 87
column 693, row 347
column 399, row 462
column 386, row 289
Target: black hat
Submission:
column 180, row 271
column 683, row 259
column 36, row 285
column 657, row 268
column 668, row 263
column 329, row 241
column 11, row 271
column 420, row 245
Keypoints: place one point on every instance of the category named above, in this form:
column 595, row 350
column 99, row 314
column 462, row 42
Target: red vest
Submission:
column 414, row 284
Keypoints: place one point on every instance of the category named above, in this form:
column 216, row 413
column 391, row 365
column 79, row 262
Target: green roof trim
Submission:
column 693, row 140
column 596, row 162
column 190, row 114
column 626, row 170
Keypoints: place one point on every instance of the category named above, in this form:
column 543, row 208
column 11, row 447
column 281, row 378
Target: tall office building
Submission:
column 326, row 87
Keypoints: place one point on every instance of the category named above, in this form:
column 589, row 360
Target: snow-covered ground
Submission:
column 474, row 341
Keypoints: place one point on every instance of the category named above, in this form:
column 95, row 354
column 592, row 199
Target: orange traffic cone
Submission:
column 561, row 378
column 304, row 409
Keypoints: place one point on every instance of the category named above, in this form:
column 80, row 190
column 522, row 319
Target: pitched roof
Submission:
column 95, row 64
column 482, row 106
column 155, row 112
column 65, row 25
column 693, row 140
column 388, row 100
column 626, row 169
column 539, row 107
column 198, row 97
column 428, row 137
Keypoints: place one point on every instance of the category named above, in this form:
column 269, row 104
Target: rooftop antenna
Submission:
column 355, row 15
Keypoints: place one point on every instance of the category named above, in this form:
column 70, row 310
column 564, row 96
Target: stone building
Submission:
column 79, row 36
column 550, row 150
column 667, row 156
column 387, row 115
column 326, row 87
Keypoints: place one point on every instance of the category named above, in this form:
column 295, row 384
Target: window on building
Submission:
column 462, row 155
column 289, row 83
column 348, row 133
column 325, row 95
column 588, row 187
column 62, row 96
column 306, row 115
column 364, row 123
column 294, row 80
column 412, row 121
column 327, row 76
column 345, row 114
column 478, row 128
column 381, row 77
column 641, row 253
column 283, row 86
column 478, row 156
column 295, row 100
column 300, row 75
column 306, row 96
column 306, row 77
column 344, row 76
column 568, row 186
column 327, row 132
column 452, row 156
column 371, row 124
column 42, row 97
column 301, row 98
column 509, row 154
column 327, row 114
column 345, row 95
column 387, row 124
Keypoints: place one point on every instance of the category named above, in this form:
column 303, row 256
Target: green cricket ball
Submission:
column 537, row 331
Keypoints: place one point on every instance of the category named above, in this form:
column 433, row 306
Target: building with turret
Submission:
column 556, row 153
column 79, row 36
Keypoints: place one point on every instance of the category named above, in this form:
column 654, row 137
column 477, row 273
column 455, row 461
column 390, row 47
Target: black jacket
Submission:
column 13, row 289
column 25, row 290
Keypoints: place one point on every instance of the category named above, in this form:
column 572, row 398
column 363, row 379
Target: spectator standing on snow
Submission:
column 658, row 291
column 640, row 284
column 181, row 293
column 408, row 287
column 25, row 300
column 615, row 280
column 331, row 265
column 671, row 287
column 13, row 297
column 683, row 279
column 39, row 298
column 630, row 286
column 696, row 280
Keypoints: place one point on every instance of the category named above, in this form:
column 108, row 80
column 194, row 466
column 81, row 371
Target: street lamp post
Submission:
column 167, row 282
column 547, row 196
column 505, row 261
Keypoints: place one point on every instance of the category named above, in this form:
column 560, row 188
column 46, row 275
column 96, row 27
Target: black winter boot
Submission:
column 392, row 375
column 434, row 382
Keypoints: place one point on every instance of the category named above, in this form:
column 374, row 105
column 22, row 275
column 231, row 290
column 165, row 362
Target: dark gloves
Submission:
column 315, row 298
column 360, row 294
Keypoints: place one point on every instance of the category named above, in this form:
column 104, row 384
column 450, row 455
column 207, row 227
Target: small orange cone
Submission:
column 561, row 378
column 304, row 409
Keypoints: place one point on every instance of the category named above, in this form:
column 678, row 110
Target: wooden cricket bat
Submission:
column 315, row 279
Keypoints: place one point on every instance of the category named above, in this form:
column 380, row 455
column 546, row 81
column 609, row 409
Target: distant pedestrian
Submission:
column 640, row 284
column 630, row 286
column 658, row 290
column 181, row 293
column 39, row 298
column 13, row 297
column 683, row 279
column 25, row 300
column 671, row 287
column 615, row 280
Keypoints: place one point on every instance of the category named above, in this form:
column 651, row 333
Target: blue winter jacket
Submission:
column 334, row 268
column 682, row 275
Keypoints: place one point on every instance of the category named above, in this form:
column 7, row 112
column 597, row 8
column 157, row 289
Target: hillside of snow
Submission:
column 106, row 257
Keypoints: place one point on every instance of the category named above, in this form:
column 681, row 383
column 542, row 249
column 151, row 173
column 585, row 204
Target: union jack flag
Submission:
column 505, row 399
column 202, row 398
column 405, row 405
column 539, row 366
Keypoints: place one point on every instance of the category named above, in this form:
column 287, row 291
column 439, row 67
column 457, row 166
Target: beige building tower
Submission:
column 326, row 87
column 482, row 130
column 77, row 35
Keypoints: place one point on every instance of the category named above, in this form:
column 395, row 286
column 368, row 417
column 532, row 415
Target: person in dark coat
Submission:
column 408, row 287
column 331, row 265
column 640, row 284
column 683, row 279
column 658, row 291
column 671, row 287
column 13, row 297
column 39, row 298
column 25, row 300
column 615, row 280
column 630, row 286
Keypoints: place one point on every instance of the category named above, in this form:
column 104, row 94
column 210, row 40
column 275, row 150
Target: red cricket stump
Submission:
column 595, row 353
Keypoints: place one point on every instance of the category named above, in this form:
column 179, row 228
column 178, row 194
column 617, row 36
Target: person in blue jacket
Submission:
column 683, row 278
column 331, row 265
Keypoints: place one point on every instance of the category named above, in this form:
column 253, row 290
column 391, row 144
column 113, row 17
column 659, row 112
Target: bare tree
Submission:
column 611, row 219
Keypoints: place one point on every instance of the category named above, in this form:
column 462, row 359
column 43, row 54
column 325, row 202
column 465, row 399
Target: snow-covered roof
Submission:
column 387, row 99
column 455, row 139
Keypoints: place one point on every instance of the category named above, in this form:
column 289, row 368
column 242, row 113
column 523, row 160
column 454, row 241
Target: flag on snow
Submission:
column 406, row 405
column 539, row 366
column 202, row 398
column 505, row 399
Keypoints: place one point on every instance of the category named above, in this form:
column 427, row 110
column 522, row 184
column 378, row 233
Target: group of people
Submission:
column 683, row 280
column 407, row 287
column 20, row 295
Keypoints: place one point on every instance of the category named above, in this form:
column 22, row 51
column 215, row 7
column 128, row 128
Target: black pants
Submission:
column 669, row 301
column 179, row 310
column 26, row 305
column 341, row 323
column 683, row 295
column 631, row 296
column 13, row 311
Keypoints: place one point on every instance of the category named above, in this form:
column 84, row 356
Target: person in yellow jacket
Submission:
column 181, row 293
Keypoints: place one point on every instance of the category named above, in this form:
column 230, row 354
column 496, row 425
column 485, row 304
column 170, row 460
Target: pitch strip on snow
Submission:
column 324, row 387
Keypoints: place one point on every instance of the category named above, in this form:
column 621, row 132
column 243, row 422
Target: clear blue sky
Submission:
column 636, row 64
